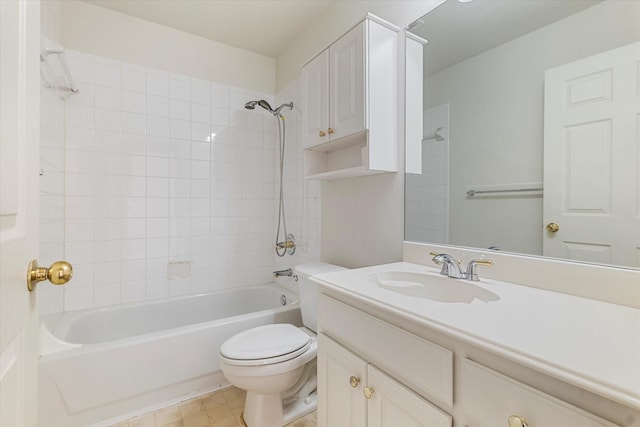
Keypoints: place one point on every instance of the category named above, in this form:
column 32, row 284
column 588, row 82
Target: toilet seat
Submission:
column 265, row 345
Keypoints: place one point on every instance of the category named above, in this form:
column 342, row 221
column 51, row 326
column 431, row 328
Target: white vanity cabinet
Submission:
column 350, row 104
column 378, row 368
column 365, row 380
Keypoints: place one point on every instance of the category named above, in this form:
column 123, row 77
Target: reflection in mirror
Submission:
column 531, row 117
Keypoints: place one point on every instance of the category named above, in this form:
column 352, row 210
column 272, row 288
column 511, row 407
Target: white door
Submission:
column 19, row 139
column 341, row 378
column 592, row 158
column 316, row 100
column 391, row 404
column 346, row 83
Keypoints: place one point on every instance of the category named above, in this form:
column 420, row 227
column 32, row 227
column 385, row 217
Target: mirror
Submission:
column 502, row 159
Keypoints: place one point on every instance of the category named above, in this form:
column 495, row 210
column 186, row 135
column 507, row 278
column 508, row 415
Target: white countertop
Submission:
column 591, row 344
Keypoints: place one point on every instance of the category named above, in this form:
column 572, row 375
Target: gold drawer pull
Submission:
column 368, row 392
column 330, row 131
column 322, row 133
column 517, row 421
column 354, row 381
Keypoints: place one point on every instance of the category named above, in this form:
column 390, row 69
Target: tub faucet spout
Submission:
column 287, row 272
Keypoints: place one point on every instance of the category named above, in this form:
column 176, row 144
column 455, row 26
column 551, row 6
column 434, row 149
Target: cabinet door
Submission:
column 340, row 402
column 391, row 405
column 346, row 83
column 316, row 100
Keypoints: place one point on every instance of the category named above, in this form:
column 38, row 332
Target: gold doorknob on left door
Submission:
column 59, row 273
column 552, row 227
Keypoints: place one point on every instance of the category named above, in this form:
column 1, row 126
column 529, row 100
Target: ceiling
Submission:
column 260, row 26
column 457, row 31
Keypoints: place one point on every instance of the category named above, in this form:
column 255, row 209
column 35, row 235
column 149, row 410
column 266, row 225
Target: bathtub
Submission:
column 104, row 365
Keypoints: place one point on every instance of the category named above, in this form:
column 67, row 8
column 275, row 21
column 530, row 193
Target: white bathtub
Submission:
column 111, row 363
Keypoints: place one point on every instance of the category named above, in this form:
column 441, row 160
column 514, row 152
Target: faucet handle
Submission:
column 471, row 273
column 436, row 258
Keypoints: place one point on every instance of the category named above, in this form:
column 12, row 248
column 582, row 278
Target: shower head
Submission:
column 251, row 105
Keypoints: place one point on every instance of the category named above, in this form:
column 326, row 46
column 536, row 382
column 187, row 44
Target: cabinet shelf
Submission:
column 347, row 157
column 350, row 97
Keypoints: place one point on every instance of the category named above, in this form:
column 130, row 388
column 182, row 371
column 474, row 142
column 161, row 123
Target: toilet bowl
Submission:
column 276, row 364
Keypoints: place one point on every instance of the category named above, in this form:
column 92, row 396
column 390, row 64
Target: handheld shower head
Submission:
column 251, row 105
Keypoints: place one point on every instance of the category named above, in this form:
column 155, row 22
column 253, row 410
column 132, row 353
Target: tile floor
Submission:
column 221, row 408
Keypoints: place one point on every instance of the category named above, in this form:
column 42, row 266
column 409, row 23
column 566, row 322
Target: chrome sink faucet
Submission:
column 451, row 267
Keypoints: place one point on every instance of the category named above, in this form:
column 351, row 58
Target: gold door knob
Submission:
column 322, row 133
column 517, row 421
column 354, row 381
column 368, row 392
column 552, row 227
column 59, row 273
column 330, row 131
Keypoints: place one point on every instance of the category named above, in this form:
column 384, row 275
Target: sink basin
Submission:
column 432, row 286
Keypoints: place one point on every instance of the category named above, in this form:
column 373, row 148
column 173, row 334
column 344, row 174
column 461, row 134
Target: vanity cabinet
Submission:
column 354, row 393
column 350, row 104
column 375, row 372
column 363, row 380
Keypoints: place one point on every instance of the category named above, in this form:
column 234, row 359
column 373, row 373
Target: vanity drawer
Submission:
column 425, row 367
column 490, row 398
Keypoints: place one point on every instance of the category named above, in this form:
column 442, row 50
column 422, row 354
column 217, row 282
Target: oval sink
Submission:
column 432, row 286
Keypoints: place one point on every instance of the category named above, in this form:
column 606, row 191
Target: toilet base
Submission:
column 265, row 410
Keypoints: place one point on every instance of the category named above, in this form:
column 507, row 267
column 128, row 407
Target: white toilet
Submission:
column 276, row 364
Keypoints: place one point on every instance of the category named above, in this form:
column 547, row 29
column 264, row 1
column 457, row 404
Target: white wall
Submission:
column 111, row 34
column 507, row 83
column 362, row 218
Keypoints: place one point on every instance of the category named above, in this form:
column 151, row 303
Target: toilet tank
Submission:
column 309, row 290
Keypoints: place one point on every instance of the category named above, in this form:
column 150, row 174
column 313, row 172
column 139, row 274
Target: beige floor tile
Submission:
column 222, row 408
column 232, row 393
column 198, row 420
column 237, row 406
column 218, row 412
column 227, row 422
column 214, row 398
column 168, row 415
column 191, row 407
column 147, row 420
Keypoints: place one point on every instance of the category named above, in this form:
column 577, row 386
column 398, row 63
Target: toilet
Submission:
column 276, row 364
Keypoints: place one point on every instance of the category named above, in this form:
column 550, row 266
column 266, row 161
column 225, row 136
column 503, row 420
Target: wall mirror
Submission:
column 531, row 117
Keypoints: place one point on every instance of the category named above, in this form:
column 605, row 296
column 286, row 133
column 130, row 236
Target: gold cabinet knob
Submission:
column 354, row 381
column 330, row 131
column 368, row 392
column 59, row 273
column 552, row 227
column 517, row 421
column 322, row 133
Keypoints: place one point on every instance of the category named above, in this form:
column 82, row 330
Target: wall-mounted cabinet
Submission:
column 350, row 119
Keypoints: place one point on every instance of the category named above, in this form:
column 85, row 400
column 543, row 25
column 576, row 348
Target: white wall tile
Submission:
column 134, row 78
column 180, row 88
column 134, row 123
column 107, row 73
column 134, row 102
column 157, row 106
column 158, row 84
column 161, row 167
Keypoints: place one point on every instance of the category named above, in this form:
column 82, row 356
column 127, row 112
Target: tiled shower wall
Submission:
column 169, row 186
column 427, row 194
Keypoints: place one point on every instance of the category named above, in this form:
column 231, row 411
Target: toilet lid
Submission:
column 266, row 342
